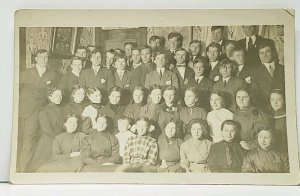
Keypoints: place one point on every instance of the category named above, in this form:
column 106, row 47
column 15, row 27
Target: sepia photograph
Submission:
column 183, row 98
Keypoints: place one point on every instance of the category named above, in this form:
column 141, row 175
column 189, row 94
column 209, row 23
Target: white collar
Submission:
column 220, row 42
column 162, row 69
column 272, row 64
column 76, row 74
column 240, row 67
column 96, row 68
column 253, row 38
column 199, row 77
column 41, row 70
column 213, row 64
column 227, row 79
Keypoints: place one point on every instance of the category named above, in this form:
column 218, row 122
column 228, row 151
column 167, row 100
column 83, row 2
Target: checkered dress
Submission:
column 141, row 150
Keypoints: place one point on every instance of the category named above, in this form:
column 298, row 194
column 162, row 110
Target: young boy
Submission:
column 227, row 156
column 124, row 133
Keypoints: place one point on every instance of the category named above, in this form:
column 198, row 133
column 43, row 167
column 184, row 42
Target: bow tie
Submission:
column 171, row 109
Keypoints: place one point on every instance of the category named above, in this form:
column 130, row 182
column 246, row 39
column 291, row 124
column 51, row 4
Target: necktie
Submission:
column 250, row 44
column 271, row 70
column 224, row 83
column 121, row 75
column 209, row 68
column 228, row 151
column 238, row 73
column 95, row 71
column 160, row 74
column 198, row 80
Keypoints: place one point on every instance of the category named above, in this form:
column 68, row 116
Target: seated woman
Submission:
column 169, row 109
column 51, row 122
column 92, row 109
column 265, row 159
column 227, row 156
column 217, row 116
column 141, row 151
column 100, row 149
column 169, row 146
column 250, row 119
column 194, row 151
column 133, row 110
column 279, row 119
column 76, row 104
column 152, row 109
column 66, row 148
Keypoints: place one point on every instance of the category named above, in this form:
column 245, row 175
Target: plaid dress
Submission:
column 141, row 150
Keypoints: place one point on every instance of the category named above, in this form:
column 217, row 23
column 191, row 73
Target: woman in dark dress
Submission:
column 277, row 100
column 76, row 104
column 133, row 110
column 66, row 148
column 51, row 122
column 100, row 149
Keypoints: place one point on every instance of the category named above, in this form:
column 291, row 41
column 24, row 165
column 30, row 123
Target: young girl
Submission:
column 91, row 111
column 169, row 109
column 151, row 110
column 191, row 111
column 169, row 146
column 141, row 151
column 133, row 111
column 76, row 105
column 100, row 151
column 51, row 122
column 66, row 148
column 194, row 151
column 217, row 116
column 277, row 100
column 265, row 159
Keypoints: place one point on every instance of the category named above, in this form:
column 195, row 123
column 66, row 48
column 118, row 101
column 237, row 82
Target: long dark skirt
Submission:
column 64, row 165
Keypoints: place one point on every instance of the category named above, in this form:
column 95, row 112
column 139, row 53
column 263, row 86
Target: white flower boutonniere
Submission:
column 216, row 78
column 248, row 79
column 48, row 82
column 168, row 82
column 102, row 81
column 186, row 81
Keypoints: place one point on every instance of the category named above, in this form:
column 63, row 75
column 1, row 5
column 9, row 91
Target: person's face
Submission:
column 276, row 101
column 101, row 124
column 42, row 59
column 242, row 99
column 266, row 55
column 123, row 125
column 79, row 95
column 197, row 131
column 199, row 69
column 228, row 50
column 225, row 70
column 76, row 66
column 170, row 130
column 128, row 49
column 173, row 43
column 158, row 43
column 216, row 102
column 142, row 127
column 217, row 35
column 195, row 48
column 56, row 97
column 120, row 64
column 264, row 139
column 109, row 58
column 146, row 55
column 249, row 30
column 114, row 97
column 160, row 60
column 213, row 54
column 81, row 53
column 169, row 96
column 136, row 57
column 138, row 96
column 153, row 44
column 228, row 132
column 180, row 57
column 239, row 57
column 71, row 124
column 96, row 59
column 95, row 97
column 190, row 98
column 155, row 96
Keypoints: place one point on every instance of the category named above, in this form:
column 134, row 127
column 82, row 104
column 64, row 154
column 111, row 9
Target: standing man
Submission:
column 213, row 52
column 218, row 36
column 83, row 54
column 175, row 41
column 194, row 51
column 34, row 84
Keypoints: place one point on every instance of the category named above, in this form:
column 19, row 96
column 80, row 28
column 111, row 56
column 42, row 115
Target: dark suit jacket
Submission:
column 170, row 58
column 137, row 76
column 33, row 90
column 188, row 75
column 66, row 83
column 266, row 83
column 126, row 80
column 211, row 74
column 252, row 57
column 247, row 72
column 103, row 80
column 112, row 115
column 87, row 64
column 168, row 78
column 229, row 90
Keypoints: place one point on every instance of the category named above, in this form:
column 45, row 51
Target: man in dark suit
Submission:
column 202, row 83
column 34, row 84
column 83, row 54
column 228, row 84
column 161, row 76
column 110, row 59
column 194, row 52
column 146, row 63
column 175, row 41
column 269, row 74
column 218, row 36
column 251, row 42
column 213, row 52
column 97, row 76
column 228, row 47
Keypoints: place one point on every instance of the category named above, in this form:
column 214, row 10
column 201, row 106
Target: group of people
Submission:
column 152, row 109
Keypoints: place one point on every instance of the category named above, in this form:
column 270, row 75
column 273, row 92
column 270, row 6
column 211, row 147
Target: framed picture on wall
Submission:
column 63, row 43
